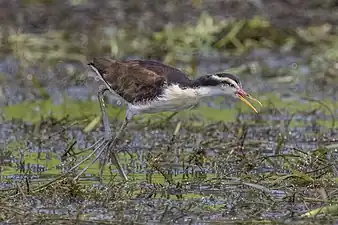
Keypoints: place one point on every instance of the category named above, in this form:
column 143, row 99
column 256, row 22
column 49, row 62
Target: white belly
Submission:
column 173, row 99
column 163, row 106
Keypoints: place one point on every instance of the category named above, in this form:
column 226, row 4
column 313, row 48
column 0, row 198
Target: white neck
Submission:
column 212, row 91
column 176, row 92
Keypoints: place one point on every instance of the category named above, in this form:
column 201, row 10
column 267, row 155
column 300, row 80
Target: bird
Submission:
column 150, row 86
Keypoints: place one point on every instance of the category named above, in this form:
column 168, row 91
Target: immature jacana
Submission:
column 150, row 87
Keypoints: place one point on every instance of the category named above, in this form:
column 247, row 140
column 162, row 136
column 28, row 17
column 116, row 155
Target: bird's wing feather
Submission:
column 171, row 74
column 130, row 80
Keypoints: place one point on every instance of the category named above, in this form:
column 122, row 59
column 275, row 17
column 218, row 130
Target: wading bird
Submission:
column 151, row 87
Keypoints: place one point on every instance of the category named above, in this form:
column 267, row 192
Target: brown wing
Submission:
column 171, row 74
column 128, row 79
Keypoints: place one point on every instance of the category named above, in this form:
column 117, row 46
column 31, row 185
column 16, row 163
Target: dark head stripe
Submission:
column 230, row 76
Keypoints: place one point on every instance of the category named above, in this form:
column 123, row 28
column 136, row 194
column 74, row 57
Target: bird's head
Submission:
column 225, row 84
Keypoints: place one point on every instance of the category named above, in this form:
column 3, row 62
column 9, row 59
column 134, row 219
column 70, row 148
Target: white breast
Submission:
column 173, row 98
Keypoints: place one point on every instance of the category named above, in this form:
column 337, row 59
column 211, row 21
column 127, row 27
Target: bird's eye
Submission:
column 231, row 85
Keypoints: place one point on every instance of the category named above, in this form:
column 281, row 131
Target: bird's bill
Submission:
column 242, row 94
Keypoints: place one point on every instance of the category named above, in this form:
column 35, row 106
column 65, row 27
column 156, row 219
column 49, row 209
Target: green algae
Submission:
column 87, row 111
column 35, row 111
column 53, row 165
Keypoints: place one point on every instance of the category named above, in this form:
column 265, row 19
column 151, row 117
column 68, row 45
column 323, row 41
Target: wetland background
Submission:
column 220, row 163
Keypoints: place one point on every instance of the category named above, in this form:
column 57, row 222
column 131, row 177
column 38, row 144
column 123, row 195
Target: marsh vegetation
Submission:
column 215, row 164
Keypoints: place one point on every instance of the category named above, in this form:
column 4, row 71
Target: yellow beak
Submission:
column 248, row 103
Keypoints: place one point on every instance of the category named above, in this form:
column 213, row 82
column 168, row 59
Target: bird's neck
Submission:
column 204, row 90
column 198, row 82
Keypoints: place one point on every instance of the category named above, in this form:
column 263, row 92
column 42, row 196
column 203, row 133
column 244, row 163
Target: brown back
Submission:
column 138, row 80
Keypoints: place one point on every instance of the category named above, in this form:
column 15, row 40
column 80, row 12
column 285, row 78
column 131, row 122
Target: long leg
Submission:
column 113, row 155
column 106, row 124
column 107, row 145
column 130, row 113
column 102, row 144
column 170, row 117
column 107, row 130
column 108, row 142
column 100, row 95
column 108, row 133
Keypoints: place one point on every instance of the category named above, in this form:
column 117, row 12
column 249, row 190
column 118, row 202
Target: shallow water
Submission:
column 226, row 165
column 211, row 202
